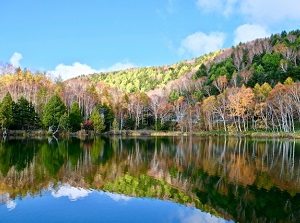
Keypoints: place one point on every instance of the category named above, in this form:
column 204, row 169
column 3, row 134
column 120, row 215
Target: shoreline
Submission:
column 259, row 134
column 150, row 133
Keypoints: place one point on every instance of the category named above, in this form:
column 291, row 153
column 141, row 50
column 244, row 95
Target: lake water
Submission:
column 150, row 179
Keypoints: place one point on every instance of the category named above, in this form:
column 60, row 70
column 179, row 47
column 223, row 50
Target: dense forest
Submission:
column 252, row 86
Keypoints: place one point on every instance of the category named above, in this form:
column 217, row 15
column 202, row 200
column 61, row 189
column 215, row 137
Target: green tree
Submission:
column 261, row 92
column 115, row 126
column 288, row 81
column 107, row 115
column 53, row 111
column 202, row 72
column 75, row 117
column 64, row 121
column 41, row 98
column 98, row 121
column 6, row 111
column 271, row 61
column 24, row 115
column 174, row 95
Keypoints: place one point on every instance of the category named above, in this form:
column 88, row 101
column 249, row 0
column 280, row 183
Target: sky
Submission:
column 68, row 38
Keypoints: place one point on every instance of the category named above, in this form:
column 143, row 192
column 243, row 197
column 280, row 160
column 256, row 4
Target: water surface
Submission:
column 150, row 179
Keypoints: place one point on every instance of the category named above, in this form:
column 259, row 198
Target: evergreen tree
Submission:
column 75, row 117
column 24, row 115
column 115, row 126
column 98, row 121
column 53, row 111
column 42, row 94
column 6, row 111
column 64, row 121
column 107, row 115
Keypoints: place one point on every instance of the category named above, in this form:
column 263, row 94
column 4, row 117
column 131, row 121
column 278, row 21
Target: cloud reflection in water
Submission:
column 73, row 193
column 199, row 216
column 11, row 205
column 118, row 197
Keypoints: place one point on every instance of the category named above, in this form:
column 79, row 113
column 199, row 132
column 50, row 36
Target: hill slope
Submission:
column 269, row 60
column 145, row 79
column 252, row 85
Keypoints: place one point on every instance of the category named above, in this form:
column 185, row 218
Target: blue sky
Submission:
column 73, row 37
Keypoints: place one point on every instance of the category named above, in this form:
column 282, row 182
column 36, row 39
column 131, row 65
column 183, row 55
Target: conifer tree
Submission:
column 53, row 111
column 115, row 126
column 75, row 117
column 64, row 122
column 6, row 111
column 24, row 115
column 98, row 121
column 107, row 115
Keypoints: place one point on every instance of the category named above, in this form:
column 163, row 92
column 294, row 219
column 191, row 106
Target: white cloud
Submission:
column 262, row 11
column 223, row 7
column 77, row 69
column 209, row 5
column 271, row 11
column 72, row 193
column 200, row 43
column 15, row 59
column 229, row 7
column 248, row 32
column 274, row 14
column 69, row 71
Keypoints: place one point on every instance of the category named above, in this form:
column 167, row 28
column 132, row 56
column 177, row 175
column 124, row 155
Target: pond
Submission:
column 150, row 179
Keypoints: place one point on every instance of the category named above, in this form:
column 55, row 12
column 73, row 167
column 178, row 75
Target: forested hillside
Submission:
column 251, row 86
column 145, row 79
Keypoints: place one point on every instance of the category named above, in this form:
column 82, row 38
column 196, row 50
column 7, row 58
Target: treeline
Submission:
column 253, row 86
column 21, row 115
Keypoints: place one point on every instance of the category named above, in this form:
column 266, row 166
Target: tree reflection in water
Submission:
column 242, row 179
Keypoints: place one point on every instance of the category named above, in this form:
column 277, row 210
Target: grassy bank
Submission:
column 259, row 134
column 83, row 133
column 24, row 133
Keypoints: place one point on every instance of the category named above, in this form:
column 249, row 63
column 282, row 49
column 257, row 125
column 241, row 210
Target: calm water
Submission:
column 164, row 179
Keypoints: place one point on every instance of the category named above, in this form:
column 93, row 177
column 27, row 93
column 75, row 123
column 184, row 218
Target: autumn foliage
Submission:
column 252, row 86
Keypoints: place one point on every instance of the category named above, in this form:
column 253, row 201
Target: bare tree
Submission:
column 220, row 83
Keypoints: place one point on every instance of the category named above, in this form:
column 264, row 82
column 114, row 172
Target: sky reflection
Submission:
column 72, row 193
column 196, row 216
column 65, row 203
column 118, row 197
column 11, row 205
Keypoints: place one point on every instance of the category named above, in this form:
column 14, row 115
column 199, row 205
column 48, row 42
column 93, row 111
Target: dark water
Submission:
column 157, row 179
